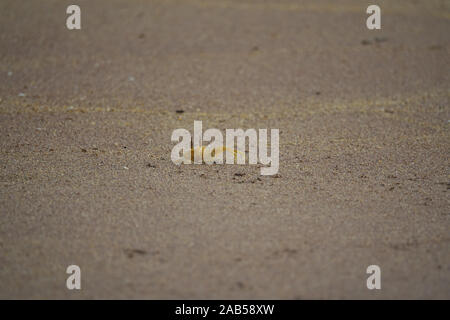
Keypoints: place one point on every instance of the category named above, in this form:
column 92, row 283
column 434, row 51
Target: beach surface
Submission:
column 86, row 118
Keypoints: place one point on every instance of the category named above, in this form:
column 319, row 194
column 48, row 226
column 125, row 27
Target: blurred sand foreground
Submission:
column 86, row 177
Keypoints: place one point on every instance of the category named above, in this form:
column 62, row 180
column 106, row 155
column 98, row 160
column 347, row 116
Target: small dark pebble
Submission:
column 131, row 252
column 151, row 165
column 239, row 174
column 83, row 150
column 290, row 251
column 179, row 111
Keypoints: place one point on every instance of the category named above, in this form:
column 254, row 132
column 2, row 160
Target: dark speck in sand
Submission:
column 132, row 252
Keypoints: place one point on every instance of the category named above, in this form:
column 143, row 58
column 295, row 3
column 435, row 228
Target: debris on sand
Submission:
column 132, row 252
column 254, row 49
column 22, row 94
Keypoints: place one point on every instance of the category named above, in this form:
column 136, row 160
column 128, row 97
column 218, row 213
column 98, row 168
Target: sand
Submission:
column 86, row 178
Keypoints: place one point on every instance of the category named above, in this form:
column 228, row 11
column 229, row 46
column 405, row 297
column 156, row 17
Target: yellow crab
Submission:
column 201, row 154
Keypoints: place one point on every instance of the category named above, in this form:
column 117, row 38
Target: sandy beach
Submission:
column 86, row 118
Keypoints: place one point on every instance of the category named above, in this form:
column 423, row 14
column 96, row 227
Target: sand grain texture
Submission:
column 364, row 155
